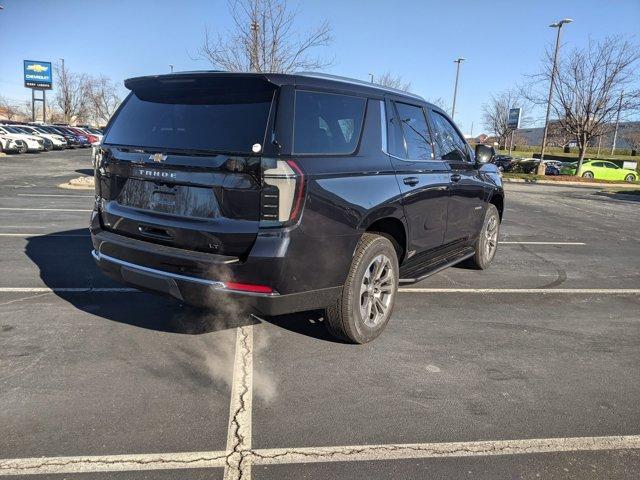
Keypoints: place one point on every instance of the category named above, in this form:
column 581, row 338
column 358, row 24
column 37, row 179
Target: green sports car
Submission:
column 600, row 170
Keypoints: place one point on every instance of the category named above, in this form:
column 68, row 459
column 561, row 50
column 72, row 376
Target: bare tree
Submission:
column 71, row 94
column 387, row 79
column 588, row 88
column 264, row 39
column 495, row 114
column 441, row 103
column 557, row 136
column 103, row 99
column 8, row 109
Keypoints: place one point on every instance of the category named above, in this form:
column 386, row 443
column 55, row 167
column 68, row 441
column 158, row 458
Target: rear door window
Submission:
column 327, row 123
column 416, row 132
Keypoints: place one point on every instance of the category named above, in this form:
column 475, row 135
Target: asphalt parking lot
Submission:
column 530, row 369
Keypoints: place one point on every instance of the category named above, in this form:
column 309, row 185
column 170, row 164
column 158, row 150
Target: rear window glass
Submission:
column 327, row 123
column 184, row 118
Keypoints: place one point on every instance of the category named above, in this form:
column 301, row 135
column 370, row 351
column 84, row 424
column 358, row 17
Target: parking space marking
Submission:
column 238, row 463
column 16, row 209
column 68, row 290
column 502, row 242
column 439, row 450
column 111, row 463
column 280, row 456
column 41, row 234
column 54, row 195
column 599, row 291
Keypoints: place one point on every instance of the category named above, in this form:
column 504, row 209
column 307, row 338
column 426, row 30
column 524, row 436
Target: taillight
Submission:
column 282, row 192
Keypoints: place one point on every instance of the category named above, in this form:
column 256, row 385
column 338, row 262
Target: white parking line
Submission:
column 348, row 453
column 439, row 450
column 66, row 290
column 599, row 291
column 111, row 463
column 42, row 234
column 502, row 242
column 54, row 195
column 43, row 209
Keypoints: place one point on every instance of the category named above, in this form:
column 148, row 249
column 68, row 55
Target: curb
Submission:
column 80, row 183
column 571, row 184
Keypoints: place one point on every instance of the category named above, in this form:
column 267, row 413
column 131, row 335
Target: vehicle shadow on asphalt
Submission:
column 64, row 261
column 85, row 171
column 625, row 197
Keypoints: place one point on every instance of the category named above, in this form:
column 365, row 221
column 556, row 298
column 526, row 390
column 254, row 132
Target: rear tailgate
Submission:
column 204, row 203
column 180, row 165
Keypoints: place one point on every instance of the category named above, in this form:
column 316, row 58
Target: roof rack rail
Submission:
column 355, row 81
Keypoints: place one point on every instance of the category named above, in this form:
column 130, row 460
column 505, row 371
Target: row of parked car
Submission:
column 595, row 169
column 37, row 137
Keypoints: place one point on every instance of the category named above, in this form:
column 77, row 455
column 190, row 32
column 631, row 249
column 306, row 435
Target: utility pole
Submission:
column 615, row 131
column 557, row 25
column 455, row 89
column 254, row 46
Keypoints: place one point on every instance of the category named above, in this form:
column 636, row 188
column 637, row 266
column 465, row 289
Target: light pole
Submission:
column 455, row 89
column 171, row 67
column 371, row 75
column 557, row 25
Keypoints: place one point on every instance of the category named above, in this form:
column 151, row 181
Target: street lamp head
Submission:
column 461, row 59
column 559, row 23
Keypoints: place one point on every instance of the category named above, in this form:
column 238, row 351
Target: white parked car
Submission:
column 8, row 144
column 34, row 144
column 58, row 141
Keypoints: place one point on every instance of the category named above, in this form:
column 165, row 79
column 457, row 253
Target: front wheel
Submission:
column 368, row 295
column 487, row 242
column 587, row 175
column 630, row 178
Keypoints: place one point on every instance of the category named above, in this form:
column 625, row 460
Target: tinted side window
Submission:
column 597, row 164
column 416, row 132
column 449, row 144
column 327, row 123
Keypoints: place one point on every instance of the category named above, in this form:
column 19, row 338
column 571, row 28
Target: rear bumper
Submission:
column 178, row 273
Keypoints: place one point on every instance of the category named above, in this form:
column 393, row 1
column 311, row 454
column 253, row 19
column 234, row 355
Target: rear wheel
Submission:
column 630, row 178
column 363, row 309
column 587, row 175
column 23, row 148
column 487, row 242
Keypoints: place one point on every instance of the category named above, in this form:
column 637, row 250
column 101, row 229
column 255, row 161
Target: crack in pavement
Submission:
column 238, row 461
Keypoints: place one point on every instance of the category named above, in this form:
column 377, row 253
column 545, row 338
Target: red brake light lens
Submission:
column 248, row 287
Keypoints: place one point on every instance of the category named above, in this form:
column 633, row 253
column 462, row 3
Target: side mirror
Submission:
column 484, row 153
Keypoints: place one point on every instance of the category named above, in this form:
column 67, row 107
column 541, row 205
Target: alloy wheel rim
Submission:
column 491, row 237
column 376, row 291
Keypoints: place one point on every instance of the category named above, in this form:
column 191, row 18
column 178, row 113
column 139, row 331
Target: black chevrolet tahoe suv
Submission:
column 285, row 193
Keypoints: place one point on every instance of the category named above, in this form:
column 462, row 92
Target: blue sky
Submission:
column 419, row 40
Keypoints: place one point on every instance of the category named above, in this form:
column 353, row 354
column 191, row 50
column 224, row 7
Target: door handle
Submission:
column 411, row 181
column 456, row 177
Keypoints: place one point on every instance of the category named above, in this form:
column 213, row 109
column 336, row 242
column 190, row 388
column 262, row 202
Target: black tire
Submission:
column 345, row 319
column 487, row 243
column 630, row 178
column 23, row 148
column 587, row 175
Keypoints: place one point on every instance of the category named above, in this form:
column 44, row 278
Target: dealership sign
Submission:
column 513, row 122
column 37, row 74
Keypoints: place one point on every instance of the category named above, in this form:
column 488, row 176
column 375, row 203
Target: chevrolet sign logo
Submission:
column 158, row 157
column 37, row 68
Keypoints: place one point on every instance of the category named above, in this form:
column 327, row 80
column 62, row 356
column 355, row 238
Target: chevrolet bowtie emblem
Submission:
column 158, row 157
